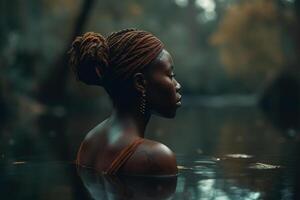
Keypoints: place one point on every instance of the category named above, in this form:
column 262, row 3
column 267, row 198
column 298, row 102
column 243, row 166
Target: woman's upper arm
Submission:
column 152, row 158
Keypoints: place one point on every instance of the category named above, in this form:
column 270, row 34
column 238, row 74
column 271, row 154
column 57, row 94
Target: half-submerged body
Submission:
column 105, row 147
column 137, row 73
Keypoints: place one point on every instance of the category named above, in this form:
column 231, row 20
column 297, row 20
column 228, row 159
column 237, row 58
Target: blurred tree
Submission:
column 249, row 38
column 297, row 32
column 52, row 89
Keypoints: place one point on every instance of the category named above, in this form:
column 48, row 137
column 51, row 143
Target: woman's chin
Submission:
column 171, row 113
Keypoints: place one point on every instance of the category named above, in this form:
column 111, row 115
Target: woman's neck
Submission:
column 133, row 121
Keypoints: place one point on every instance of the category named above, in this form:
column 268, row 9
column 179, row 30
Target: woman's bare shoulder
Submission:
column 152, row 158
column 155, row 147
column 92, row 144
column 96, row 131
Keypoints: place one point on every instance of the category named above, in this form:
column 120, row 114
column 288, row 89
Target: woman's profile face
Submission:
column 162, row 89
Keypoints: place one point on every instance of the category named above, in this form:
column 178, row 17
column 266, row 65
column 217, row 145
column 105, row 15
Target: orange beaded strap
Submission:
column 123, row 156
column 77, row 161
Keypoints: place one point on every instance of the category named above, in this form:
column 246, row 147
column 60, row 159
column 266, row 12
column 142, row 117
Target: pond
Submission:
column 222, row 153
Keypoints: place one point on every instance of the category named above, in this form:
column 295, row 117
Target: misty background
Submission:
column 240, row 54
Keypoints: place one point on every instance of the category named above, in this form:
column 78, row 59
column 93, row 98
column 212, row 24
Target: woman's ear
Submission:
column 139, row 82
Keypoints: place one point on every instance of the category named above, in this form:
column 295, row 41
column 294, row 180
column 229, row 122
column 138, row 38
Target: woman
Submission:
column 137, row 73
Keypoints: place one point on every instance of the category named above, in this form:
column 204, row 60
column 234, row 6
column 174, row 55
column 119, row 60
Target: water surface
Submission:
column 222, row 153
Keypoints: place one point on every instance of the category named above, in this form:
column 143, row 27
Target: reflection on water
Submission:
column 227, row 179
column 127, row 187
column 223, row 153
column 199, row 178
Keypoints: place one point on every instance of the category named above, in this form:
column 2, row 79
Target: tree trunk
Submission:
column 52, row 90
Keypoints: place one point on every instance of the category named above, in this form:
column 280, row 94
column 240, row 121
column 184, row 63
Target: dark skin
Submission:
column 125, row 125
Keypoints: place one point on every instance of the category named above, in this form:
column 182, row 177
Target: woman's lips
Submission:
column 178, row 102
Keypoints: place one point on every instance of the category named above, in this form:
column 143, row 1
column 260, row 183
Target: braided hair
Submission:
column 111, row 61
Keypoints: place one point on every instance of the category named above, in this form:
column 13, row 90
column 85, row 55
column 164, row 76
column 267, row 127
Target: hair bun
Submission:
column 89, row 58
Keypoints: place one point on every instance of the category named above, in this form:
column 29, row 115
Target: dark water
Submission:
column 223, row 153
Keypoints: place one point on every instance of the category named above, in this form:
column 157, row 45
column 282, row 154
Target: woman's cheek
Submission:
column 163, row 90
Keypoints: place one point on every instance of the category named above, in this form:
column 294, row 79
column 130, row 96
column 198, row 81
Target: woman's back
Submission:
column 107, row 144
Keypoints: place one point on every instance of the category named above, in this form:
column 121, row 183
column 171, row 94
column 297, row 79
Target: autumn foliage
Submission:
column 249, row 38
